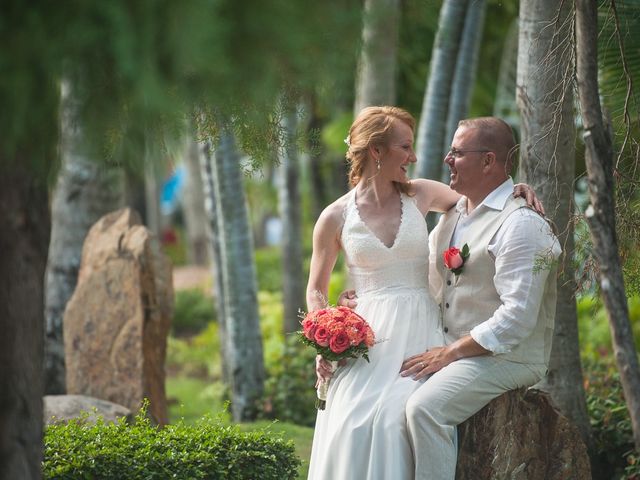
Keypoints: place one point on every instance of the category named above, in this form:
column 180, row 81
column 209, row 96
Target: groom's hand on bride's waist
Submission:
column 348, row 298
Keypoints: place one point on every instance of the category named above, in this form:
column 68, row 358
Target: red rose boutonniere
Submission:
column 454, row 259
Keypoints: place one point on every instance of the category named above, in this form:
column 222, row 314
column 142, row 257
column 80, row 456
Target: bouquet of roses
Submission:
column 336, row 333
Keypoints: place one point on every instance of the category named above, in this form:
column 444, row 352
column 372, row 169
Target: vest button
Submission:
column 446, row 305
column 446, row 329
column 448, row 282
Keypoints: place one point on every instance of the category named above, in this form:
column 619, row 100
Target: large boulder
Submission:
column 117, row 321
column 62, row 408
column 521, row 436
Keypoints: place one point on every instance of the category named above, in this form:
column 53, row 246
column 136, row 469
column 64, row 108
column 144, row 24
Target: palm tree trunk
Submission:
column 432, row 126
column 244, row 340
column 24, row 238
column 545, row 99
column 211, row 207
column 85, row 192
column 193, row 205
column 601, row 213
column 376, row 79
column 465, row 72
column 319, row 194
column 293, row 281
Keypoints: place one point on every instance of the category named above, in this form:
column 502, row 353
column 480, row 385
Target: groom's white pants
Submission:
column 451, row 396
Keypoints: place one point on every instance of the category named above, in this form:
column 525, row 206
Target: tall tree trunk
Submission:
column 545, row 99
column 601, row 213
column 211, row 208
column 432, row 126
column 465, row 72
column 243, row 338
column 85, row 191
column 194, row 207
column 505, row 103
column 24, row 238
column 289, row 202
column 153, row 218
column 376, row 80
column 319, row 194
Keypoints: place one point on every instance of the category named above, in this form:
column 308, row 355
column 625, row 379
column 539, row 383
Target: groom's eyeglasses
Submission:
column 455, row 153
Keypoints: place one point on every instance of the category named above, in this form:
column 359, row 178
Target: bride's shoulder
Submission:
column 334, row 212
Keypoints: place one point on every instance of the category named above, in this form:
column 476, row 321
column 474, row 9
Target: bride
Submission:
column 380, row 227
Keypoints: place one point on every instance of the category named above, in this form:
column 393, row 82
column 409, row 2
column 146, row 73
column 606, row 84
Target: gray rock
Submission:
column 62, row 408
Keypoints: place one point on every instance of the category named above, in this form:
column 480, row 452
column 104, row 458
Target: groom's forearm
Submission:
column 466, row 347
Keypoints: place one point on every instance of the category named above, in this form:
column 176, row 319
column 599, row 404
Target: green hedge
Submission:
column 207, row 449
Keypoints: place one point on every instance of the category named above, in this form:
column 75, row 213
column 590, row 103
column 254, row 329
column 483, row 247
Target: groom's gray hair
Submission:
column 495, row 134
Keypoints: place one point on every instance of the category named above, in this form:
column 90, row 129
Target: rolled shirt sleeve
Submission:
column 525, row 251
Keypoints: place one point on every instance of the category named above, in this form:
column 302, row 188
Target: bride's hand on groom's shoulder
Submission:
column 348, row 298
column 525, row 191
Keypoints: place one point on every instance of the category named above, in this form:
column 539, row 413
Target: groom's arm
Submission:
column 525, row 251
column 523, row 248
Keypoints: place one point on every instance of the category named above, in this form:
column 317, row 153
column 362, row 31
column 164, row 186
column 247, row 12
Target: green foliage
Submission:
column 593, row 326
column 269, row 269
column 193, row 311
column 271, row 311
column 610, row 421
column 208, row 449
column 138, row 69
column 337, row 283
column 289, row 390
column 334, row 133
column 196, row 357
column 190, row 398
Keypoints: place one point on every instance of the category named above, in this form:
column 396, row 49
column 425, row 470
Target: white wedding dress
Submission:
column 362, row 432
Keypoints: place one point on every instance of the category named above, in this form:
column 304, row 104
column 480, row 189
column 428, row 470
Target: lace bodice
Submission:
column 373, row 265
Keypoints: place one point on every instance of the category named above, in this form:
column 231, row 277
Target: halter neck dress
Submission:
column 362, row 432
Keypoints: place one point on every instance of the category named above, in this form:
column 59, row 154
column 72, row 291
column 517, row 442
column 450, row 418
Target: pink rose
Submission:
column 339, row 342
column 452, row 258
column 321, row 336
column 309, row 328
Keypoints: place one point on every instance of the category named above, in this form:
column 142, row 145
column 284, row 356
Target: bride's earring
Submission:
column 378, row 163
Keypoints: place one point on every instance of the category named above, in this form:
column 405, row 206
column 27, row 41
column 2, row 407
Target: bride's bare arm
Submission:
column 435, row 196
column 326, row 247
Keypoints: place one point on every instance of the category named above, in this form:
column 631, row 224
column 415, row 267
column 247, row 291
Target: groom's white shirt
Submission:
column 520, row 247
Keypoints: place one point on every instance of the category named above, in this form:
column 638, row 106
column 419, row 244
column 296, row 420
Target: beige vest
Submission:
column 470, row 298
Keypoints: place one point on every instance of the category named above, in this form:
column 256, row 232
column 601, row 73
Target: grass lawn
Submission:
column 191, row 398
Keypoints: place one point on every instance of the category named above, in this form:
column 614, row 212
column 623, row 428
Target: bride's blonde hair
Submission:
column 372, row 127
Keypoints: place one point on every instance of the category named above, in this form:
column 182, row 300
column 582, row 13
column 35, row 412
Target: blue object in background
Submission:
column 171, row 191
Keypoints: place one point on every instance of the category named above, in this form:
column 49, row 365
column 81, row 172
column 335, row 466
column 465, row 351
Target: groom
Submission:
column 497, row 308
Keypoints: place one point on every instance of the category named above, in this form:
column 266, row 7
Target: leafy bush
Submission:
column 595, row 336
column 197, row 357
column 289, row 390
column 207, row 449
column 610, row 421
column 192, row 312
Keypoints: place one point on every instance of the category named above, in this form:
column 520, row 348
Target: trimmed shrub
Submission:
column 207, row 449
column 192, row 312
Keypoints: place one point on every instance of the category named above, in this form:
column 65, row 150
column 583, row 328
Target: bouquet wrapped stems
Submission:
column 323, row 388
